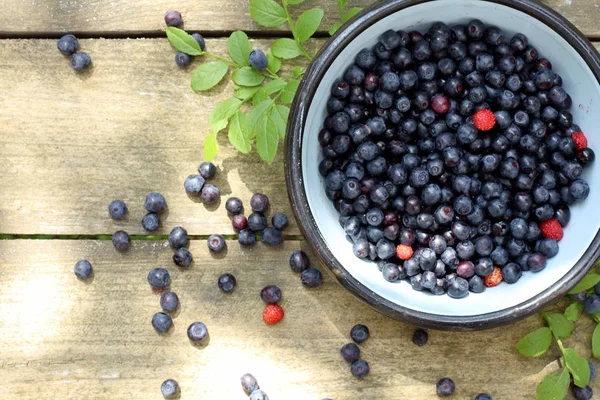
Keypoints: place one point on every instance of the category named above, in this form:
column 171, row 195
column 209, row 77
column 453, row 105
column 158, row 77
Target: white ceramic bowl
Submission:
column 572, row 57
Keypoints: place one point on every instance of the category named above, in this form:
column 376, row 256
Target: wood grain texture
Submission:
column 146, row 16
column 66, row 339
column 70, row 143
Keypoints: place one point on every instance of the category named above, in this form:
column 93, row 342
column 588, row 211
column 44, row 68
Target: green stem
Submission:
column 291, row 24
column 216, row 57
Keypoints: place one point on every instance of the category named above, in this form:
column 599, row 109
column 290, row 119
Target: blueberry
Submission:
column 366, row 59
column 117, row 209
column 422, row 50
column 159, row 278
column 169, row 301
column 511, row 273
column 178, row 237
column 497, row 208
column 419, row 177
column 173, row 18
column 200, row 40
column 483, row 396
column 272, row 236
column 592, row 371
column 591, row 305
column 270, row 294
column 215, row 243
column 465, row 250
column 359, row 368
column 197, row 332
column 279, row 220
column 536, row 262
column 182, row 257
column 476, row 284
column 257, row 222
column 427, row 259
column 499, row 256
column 161, row 322
column 548, row 247
column 169, row 388
column 354, row 75
column 183, row 60
column 247, row 237
column 120, row 240
column 579, row 189
column 585, row 393
column 445, row 387
column 311, row 278
column 67, row 45
column 438, row 244
column 258, row 59
column 350, row 352
column 359, row 333
column 207, row 170
column 81, row 61
column 83, row 269
column 193, row 184
column 226, row 283
column 249, row 383
column 420, row 337
column 463, row 205
column 155, row 202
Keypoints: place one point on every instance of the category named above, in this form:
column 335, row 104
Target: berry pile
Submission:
column 452, row 157
column 351, row 352
column 68, row 46
column 256, row 222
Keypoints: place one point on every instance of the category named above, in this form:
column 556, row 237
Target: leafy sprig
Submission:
column 345, row 16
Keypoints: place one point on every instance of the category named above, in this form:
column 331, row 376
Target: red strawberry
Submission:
column 580, row 140
column 552, row 229
column 494, row 278
column 272, row 314
column 484, row 120
column 404, row 252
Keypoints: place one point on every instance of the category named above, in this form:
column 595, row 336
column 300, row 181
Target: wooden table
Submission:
column 70, row 143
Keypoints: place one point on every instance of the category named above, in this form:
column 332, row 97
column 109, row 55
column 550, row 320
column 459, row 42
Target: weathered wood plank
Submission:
column 125, row 16
column 62, row 338
column 70, row 143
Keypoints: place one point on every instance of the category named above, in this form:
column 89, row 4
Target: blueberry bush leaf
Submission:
column 596, row 342
column 239, row 48
column 260, row 96
column 572, row 312
column 294, row 2
column 267, row 141
column 208, row 75
column 257, row 118
column 224, row 110
column 586, row 283
column 211, row 148
column 297, row 72
column 554, row 386
column 274, row 63
column 351, row 13
column 578, row 366
column 278, row 119
column 238, row 126
column 267, row 13
column 274, row 86
column 288, row 93
column 245, row 93
column 285, row 48
column 307, row 24
column 334, row 28
column 344, row 15
column 247, row 76
column 183, row 41
column 559, row 325
column 535, row 343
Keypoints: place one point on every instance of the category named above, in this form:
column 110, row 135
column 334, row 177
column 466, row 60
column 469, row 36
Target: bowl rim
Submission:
column 305, row 218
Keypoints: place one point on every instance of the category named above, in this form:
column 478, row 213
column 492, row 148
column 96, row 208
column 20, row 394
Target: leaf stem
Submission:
column 216, row 57
column 293, row 29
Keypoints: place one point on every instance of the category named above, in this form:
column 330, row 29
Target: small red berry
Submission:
column 484, row 120
column 272, row 314
column 440, row 104
column 494, row 278
column 239, row 222
column 552, row 229
column 580, row 140
column 404, row 252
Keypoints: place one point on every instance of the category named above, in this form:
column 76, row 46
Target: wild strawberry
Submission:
column 272, row 314
column 580, row 140
column 494, row 278
column 552, row 229
column 404, row 252
column 484, row 120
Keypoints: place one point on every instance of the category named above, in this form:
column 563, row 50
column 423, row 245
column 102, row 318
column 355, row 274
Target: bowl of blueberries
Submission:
column 440, row 159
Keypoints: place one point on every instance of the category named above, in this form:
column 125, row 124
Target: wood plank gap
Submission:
column 22, row 236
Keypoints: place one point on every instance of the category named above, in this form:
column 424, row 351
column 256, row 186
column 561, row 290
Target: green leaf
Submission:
column 536, row 343
column 307, row 24
column 247, row 76
column 259, row 97
column 351, row 13
column 561, row 326
column 208, row 75
column 579, row 367
column 219, row 126
column 572, row 312
column 257, row 118
column 224, row 110
column 239, row 48
column 267, row 141
column 274, row 86
column 554, row 386
column 288, row 93
column 342, row 3
column 267, row 13
column 183, row 41
column 294, row 2
column 211, row 148
column 238, row 128
column 274, row 63
column 245, row 93
column 297, row 72
column 596, row 342
column 279, row 118
column 586, row 283
column 334, row 28
column 284, row 111
column 285, row 48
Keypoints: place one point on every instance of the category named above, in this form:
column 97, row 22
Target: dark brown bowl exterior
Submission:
column 302, row 210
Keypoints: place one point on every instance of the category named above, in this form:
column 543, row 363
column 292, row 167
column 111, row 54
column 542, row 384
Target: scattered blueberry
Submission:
column 193, row 184
column 155, row 202
column 258, row 59
column 234, row 206
column 359, row 333
column 299, row 261
column 178, row 237
column 350, row 352
column 227, row 283
column 311, row 278
column 120, row 240
column 258, row 395
column 279, row 220
column 270, row 294
column 259, row 202
column 161, row 322
column 239, row 222
column 257, row 222
column 67, row 45
column 272, row 236
column 197, row 332
column 420, row 337
column 247, row 237
column 169, row 388
column 169, row 301
column 210, row 193
column 591, row 305
column 249, row 383
column 182, row 59
column 207, row 170
column 83, row 269
column 445, row 387
column 117, row 209
column 182, row 257
column 359, row 368
column 216, row 243
column 585, row 393
column 81, row 61
column 159, row 278
column 200, row 40
column 483, row 396
column 173, row 18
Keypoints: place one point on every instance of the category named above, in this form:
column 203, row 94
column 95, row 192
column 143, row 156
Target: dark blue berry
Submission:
column 359, row 333
column 120, row 240
column 169, row 389
column 591, row 305
column 247, row 237
column 159, row 278
column 200, row 40
column 197, row 332
column 585, row 393
column 182, row 257
column 311, row 278
column 183, row 60
column 161, row 322
column 81, row 61
column 270, row 294
column 155, row 202
column 272, row 236
column 257, row 222
column 216, row 243
column 226, row 283
column 258, row 59
column 445, row 387
column 350, row 352
column 173, row 18
column 234, row 205
column 178, row 237
column 82, row 269
column 117, row 209
column 67, row 45
column 169, row 301
column 193, row 184
column 279, row 220
column 359, row 368
column 150, row 222
column 579, row 189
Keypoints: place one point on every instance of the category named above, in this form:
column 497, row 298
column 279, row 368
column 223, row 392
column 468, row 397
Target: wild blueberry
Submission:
column 258, row 59
column 257, row 222
column 536, row 262
column 428, row 280
column 445, row 387
column 169, row 301
column 359, row 333
column 120, row 240
column 579, row 189
column 67, row 45
column 476, row 284
column 182, row 257
column 207, row 170
column 299, row 261
column 270, row 294
column 585, row 393
column 511, row 273
column 169, row 388
column 173, row 18
column 249, row 383
column 226, row 283
column 311, row 278
column 210, row 194
column 159, row 278
column 359, row 368
column 83, row 269
column 350, row 352
column 81, row 61
column 161, row 322
column 483, row 396
column 178, row 237
column 197, row 332
column 183, row 60
column 272, row 236
column 591, row 305
column 279, row 220
column 216, row 243
column 193, row 184
column 200, row 40
column 458, row 288
column 246, row 237
column 155, row 202
column 117, row 209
